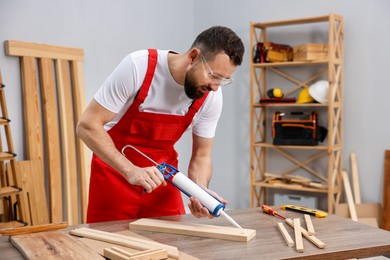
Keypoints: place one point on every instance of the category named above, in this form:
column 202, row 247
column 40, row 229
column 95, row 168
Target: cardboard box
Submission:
column 368, row 213
column 310, row 52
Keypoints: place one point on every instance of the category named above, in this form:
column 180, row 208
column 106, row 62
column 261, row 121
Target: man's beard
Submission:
column 191, row 88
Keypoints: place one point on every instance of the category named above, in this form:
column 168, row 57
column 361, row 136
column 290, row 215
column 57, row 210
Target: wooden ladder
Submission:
column 11, row 195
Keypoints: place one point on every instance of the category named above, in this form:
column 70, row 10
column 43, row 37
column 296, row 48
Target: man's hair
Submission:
column 219, row 39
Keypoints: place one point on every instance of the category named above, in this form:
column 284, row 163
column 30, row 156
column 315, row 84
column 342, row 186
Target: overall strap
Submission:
column 193, row 109
column 143, row 92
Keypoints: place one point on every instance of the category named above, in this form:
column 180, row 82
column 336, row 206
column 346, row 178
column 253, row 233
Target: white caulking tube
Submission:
column 191, row 189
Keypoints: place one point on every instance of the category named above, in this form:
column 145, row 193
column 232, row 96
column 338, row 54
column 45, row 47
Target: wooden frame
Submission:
column 50, row 73
column 259, row 143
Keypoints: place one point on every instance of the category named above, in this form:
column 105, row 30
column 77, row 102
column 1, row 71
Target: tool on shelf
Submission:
column 189, row 188
column 269, row 210
column 314, row 212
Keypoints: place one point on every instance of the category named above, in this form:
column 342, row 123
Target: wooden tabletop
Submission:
column 343, row 238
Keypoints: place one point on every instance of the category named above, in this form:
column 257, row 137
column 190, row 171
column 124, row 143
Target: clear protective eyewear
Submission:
column 215, row 78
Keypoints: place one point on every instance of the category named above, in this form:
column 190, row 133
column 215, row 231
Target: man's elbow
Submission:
column 81, row 129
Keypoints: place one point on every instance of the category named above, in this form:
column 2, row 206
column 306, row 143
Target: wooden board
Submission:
column 386, row 193
column 68, row 140
column 191, row 229
column 349, row 195
column 126, row 241
column 52, row 245
column 355, row 179
column 33, row 184
column 99, row 246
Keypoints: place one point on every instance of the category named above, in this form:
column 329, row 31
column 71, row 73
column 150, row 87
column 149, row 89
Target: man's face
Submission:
column 207, row 76
column 192, row 87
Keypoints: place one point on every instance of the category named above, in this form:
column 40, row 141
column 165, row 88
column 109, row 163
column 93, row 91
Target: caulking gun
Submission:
column 189, row 188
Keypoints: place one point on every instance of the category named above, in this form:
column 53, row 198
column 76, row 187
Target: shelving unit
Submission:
column 11, row 195
column 330, row 69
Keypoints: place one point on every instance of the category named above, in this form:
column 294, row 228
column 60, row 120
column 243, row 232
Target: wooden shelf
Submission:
column 6, row 156
column 314, row 19
column 8, row 191
column 304, row 147
column 289, row 63
column 300, row 157
column 4, row 121
column 12, row 224
column 325, row 105
column 293, row 187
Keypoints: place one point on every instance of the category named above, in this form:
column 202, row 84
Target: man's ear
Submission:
column 193, row 55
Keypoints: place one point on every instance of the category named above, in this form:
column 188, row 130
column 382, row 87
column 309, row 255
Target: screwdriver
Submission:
column 269, row 210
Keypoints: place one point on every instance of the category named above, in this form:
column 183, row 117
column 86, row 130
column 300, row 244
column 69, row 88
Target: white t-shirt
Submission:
column 165, row 95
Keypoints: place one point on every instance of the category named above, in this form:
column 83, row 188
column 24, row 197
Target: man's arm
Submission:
column 200, row 171
column 91, row 130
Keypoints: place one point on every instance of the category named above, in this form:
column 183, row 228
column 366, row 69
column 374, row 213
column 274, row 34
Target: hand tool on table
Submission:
column 269, row 210
column 189, row 188
column 314, row 212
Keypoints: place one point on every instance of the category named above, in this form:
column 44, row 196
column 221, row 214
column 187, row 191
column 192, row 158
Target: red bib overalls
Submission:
column 111, row 196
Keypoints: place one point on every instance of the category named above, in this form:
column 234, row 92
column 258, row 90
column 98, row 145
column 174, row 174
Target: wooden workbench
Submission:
column 343, row 238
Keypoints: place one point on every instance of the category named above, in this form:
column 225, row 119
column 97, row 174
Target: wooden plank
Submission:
column 314, row 19
column 386, row 193
column 68, row 141
column 32, row 181
column 31, row 109
column 27, row 49
column 131, row 242
column 52, row 137
column 305, row 233
column 191, row 229
column 298, row 235
column 309, row 225
column 348, row 193
column 99, row 246
column 355, row 179
column 115, row 253
column 84, row 158
column 285, row 234
column 20, row 198
column 52, row 245
column 32, row 229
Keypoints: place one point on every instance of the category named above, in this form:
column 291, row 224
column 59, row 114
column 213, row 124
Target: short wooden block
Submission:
column 298, row 235
column 192, row 229
column 115, row 253
column 285, row 235
column 309, row 225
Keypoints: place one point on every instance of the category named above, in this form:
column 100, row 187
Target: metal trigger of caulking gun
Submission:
column 189, row 188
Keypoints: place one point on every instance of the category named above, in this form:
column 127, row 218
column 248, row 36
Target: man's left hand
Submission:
column 198, row 210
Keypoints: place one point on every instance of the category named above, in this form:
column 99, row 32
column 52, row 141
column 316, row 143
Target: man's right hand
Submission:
column 149, row 177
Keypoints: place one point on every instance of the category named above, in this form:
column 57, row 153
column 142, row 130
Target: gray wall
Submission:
column 108, row 30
